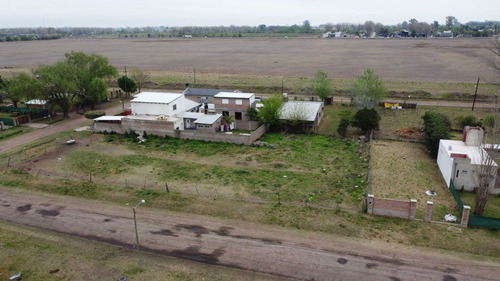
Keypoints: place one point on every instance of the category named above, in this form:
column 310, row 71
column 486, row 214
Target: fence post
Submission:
column 428, row 213
column 413, row 209
column 465, row 216
column 371, row 201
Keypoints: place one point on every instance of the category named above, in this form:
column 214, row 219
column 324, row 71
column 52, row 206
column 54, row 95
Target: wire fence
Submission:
column 190, row 189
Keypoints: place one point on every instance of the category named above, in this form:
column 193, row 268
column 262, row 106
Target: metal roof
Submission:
column 234, row 95
column 156, row 97
column 36, row 102
column 205, row 92
column 109, row 118
column 201, row 118
column 307, row 110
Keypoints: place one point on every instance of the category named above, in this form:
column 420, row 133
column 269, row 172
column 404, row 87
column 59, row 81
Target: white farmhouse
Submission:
column 459, row 161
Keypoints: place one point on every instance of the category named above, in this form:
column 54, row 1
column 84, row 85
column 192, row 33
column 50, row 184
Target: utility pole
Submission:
column 475, row 94
column 194, row 77
column 136, row 235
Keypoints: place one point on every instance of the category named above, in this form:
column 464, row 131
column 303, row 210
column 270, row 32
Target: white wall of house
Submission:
column 445, row 163
column 147, row 108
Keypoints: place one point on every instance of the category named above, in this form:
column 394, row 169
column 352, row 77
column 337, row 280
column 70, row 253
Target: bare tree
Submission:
column 140, row 77
column 494, row 60
column 486, row 173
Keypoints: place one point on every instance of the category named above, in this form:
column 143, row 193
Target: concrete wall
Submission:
column 152, row 127
column 393, row 208
column 222, row 137
column 101, row 127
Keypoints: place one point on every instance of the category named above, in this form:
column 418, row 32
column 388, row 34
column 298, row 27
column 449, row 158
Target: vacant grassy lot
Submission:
column 300, row 169
column 43, row 255
column 403, row 170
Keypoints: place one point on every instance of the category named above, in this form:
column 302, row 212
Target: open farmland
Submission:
column 428, row 60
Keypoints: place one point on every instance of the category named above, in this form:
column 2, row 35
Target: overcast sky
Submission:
column 140, row 13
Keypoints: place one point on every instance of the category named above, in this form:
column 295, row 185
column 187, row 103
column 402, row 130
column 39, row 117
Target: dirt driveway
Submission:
column 72, row 122
column 283, row 252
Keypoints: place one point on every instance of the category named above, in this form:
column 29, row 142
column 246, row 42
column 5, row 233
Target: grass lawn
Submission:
column 13, row 131
column 403, row 170
column 492, row 206
column 44, row 255
column 393, row 121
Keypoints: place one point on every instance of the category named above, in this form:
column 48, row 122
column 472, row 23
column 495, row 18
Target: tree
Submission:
column 328, row 26
column 369, row 28
column 367, row 90
column 127, row 85
column 98, row 91
column 296, row 114
column 306, row 27
column 252, row 113
column 322, row 85
column 451, row 21
column 485, row 176
column 343, row 126
column 366, row 119
column 140, row 77
column 88, row 68
column 57, row 84
column 436, row 127
column 271, row 111
column 494, row 48
column 19, row 87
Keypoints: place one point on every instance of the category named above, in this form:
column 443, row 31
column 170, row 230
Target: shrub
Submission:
column 366, row 119
column 468, row 120
column 94, row 114
column 343, row 125
column 436, row 128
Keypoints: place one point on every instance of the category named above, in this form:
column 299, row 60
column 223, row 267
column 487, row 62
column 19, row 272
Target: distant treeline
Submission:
column 411, row 28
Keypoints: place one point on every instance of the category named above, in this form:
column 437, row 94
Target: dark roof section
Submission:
column 205, row 92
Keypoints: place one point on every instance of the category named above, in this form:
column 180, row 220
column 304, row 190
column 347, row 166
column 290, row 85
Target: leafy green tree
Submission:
column 343, row 126
column 19, row 87
column 252, row 113
column 127, row 85
column 366, row 119
column 367, row 90
column 436, row 127
column 270, row 112
column 89, row 70
column 57, row 84
column 306, row 27
column 322, row 85
column 468, row 120
column 98, row 92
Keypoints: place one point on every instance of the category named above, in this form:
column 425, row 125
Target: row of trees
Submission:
column 415, row 27
column 80, row 78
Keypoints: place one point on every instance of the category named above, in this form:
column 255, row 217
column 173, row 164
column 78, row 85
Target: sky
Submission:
column 142, row 13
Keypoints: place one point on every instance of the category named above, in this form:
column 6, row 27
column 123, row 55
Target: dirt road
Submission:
column 290, row 253
column 72, row 122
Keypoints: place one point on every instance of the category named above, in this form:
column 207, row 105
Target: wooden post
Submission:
column 166, row 187
column 90, row 177
column 475, row 94
column 197, row 191
column 126, row 183
column 8, row 163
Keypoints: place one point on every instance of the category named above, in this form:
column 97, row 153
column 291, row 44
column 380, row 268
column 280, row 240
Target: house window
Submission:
column 239, row 102
column 237, row 115
column 225, row 101
column 175, row 107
